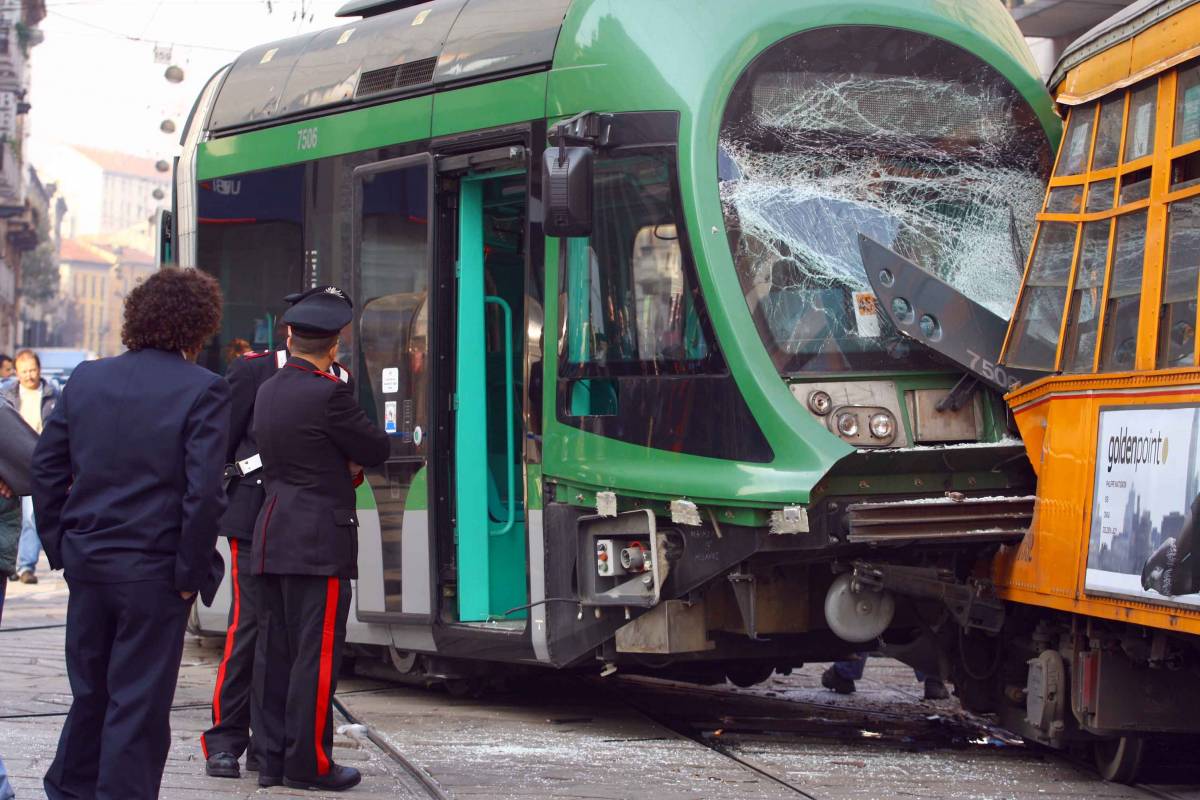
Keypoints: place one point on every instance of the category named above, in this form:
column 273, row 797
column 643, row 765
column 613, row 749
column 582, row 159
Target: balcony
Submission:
column 12, row 181
column 12, row 60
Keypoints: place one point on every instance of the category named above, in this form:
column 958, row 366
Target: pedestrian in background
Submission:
column 235, row 349
column 312, row 435
column 34, row 397
column 7, row 368
column 127, row 486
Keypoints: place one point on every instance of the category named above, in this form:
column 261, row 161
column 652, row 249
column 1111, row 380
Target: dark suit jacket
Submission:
column 245, row 375
column 127, row 472
column 308, row 425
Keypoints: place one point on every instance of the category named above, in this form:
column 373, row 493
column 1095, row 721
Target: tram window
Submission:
column 1083, row 316
column 1119, row 339
column 250, row 236
column 1064, row 200
column 1187, row 105
column 392, row 288
column 1108, row 133
column 1100, row 195
column 1177, row 320
column 1077, row 141
column 1185, row 171
column 633, row 305
column 1035, row 332
column 1135, row 186
column 1139, row 131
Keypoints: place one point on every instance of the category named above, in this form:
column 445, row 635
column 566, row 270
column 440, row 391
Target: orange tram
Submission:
column 1101, row 639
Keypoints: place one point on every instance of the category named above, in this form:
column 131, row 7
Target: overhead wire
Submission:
column 142, row 39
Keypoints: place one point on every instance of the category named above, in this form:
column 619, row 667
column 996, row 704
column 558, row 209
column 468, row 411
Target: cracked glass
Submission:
column 896, row 135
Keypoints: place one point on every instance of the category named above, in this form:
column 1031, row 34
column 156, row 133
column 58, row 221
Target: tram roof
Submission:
column 399, row 47
column 1120, row 27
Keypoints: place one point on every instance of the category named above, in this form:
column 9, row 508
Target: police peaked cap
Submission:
column 321, row 311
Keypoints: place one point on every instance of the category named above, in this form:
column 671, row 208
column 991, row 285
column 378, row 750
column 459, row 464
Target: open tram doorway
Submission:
column 489, row 431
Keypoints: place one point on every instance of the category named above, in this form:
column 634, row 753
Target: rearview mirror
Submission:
column 567, row 191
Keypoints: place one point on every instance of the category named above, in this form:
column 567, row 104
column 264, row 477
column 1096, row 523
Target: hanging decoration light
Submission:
column 167, row 126
column 174, row 74
column 158, row 194
column 162, row 166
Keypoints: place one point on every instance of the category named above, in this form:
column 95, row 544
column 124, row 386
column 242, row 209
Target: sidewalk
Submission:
column 33, row 681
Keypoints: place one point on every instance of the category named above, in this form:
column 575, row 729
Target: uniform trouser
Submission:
column 852, row 669
column 124, row 642
column 230, row 731
column 301, row 633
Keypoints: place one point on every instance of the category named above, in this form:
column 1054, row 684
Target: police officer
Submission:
column 229, row 735
column 312, row 435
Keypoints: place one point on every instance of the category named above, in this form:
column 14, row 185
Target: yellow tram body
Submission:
column 1127, row 181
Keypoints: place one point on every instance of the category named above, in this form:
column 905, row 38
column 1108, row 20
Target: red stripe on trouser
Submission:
column 229, row 637
column 325, row 673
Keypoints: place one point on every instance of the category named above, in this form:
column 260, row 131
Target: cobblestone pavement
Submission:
column 554, row 739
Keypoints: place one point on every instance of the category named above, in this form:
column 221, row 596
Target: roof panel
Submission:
column 494, row 36
column 396, row 49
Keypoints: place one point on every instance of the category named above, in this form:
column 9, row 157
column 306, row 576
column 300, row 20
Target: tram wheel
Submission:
column 747, row 675
column 1119, row 760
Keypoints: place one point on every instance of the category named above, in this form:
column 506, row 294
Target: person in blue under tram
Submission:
column 230, row 734
column 312, row 436
column 127, row 492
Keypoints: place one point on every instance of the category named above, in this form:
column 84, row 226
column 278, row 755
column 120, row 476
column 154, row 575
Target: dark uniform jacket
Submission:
column 308, row 426
column 127, row 472
column 245, row 376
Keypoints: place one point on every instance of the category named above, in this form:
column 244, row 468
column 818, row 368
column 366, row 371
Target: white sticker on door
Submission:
column 391, row 380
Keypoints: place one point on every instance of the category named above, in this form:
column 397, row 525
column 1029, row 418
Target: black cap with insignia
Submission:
column 321, row 311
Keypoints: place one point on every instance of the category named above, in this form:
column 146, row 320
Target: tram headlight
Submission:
column 819, row 402
column 847, row 424
column 883, row 426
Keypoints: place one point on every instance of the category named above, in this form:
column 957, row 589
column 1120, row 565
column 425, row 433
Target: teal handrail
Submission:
column 508, row 415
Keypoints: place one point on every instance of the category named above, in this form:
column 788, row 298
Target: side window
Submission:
column 1083, row 317
column 1075, row 146
column 1108, row 133
column 1177, row 319
column 633, row 305
column 1139, row 131
column 250, row 236
column 1187, row 105
column 1039, row 318
column 1124, row 301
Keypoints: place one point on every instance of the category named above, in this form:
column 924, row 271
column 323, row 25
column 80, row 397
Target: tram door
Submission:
column 489, row 435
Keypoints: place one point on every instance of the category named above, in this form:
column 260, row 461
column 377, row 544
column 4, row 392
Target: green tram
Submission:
column 641, row 444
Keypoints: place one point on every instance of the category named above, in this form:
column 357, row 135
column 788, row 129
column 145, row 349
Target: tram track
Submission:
column 364, row 734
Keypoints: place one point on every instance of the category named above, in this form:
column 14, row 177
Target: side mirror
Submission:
column 164, row 251
column 567, row 191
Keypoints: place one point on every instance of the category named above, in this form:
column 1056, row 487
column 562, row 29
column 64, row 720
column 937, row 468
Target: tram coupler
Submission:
column 973, row 602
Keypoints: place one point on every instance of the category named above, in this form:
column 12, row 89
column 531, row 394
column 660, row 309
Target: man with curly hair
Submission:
column 127, row 491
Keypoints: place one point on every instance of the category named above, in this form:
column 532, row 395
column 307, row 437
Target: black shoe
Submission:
column 251, row 762
column 339, row 779
column 935, row 689
column 269, row 780
column 831, row 679
column 222, row 765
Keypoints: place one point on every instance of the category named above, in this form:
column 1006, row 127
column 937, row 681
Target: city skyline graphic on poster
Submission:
column 1143, row 523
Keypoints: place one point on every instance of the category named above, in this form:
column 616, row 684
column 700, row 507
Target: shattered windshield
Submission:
column 892, row 134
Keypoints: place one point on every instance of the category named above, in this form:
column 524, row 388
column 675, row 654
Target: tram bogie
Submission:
column 645, row 443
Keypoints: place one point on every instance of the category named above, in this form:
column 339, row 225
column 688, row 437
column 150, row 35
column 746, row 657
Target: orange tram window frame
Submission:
column 1091, row 316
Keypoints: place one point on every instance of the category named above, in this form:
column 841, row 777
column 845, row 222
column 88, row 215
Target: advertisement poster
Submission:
column 1145, row 506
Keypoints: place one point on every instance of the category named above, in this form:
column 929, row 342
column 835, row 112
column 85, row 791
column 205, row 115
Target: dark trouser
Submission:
column 301, row 633
column 230, row 732
column 124, row 644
